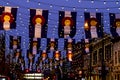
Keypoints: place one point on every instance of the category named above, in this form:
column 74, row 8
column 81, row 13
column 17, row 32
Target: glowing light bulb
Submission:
column 92, row 1
column 104, row 2
column 85, row 9
column 62, row 7
column 38, row 3
column 117, row 2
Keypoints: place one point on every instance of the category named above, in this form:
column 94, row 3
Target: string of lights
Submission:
column 61, row 6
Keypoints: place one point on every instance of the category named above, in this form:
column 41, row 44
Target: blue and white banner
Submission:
column 44, row 55
column 15, row 42
column 69, row 44
column 69, row 56
column 17, row 55
column 8, row 18
column 38, row 23
column 67, row 24
column 86, row 45
column 52, row 44
column 30, row 57
column 57, row 55
column 35, row 45
column 115, row 24
column 93, row 25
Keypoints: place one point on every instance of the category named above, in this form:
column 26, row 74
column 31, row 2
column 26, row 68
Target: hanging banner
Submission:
column 61, row 62
column 67, row 24
column 15, row 42
column 93, row 25
column 69, row 55
column 44, row 55
column 35, row 45
column 40, row 64
column 115, row 24
column 51, row 64
column 86, row 45
column 69, row 44
column 57, row 55
column 52, row 44
column 38, row 23
column 22, row 63
column 30, row 57
column 8, row 18
column 17, row 55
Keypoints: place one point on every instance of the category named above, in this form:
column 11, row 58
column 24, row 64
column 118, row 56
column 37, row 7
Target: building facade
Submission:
column 116, row 60
column 98, row 62
column 101, row 55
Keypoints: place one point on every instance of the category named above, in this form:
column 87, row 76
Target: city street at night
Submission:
column 60, row 40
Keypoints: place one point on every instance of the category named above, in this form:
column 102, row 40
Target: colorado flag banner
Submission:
column 17, row 55
column 86, row 45
column 8, row 18
column 44, row 55
column 15, row 42
column 67, row 24
column 52, row 44
column 69, row 44
column 38, row 23
column 69, row 54
column 57, row 55
column 93, row 25
column 30, row 60
column 34, row 45
column 115, row 24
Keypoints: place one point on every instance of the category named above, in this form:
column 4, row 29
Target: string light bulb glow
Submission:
column 104, row 2
column 108, row 9
column 79, row 1
column 38, row 3
column 51, row 6
column 117, row 2
column 28, row 0
column 74, row 8
column 62, row 7
column 92, row 1
column 85, row 9
column 96, row 9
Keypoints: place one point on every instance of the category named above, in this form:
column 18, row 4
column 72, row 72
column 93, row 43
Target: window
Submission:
column 115, row 58
column 100, row 54
column 108, row 52
column 119, row 56
column 94, row 57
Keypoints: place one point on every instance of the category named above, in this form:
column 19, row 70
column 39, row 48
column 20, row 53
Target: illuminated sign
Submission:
column 34, row 76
